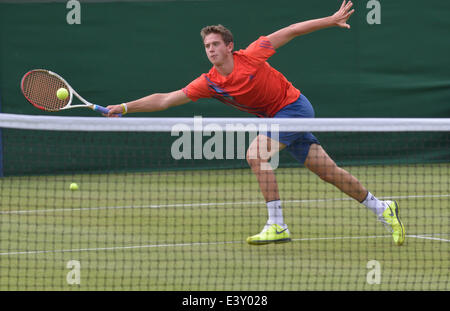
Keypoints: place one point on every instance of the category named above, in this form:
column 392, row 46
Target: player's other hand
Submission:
column 343, row 14
column 115, row 111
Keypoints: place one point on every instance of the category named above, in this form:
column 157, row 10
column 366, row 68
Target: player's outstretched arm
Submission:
column 154, row 102
column 338, row 19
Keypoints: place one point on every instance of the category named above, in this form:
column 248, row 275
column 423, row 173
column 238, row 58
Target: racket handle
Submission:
column 102, row 109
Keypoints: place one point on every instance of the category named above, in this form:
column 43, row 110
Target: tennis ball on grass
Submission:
column 62, row 93
column 74, row 186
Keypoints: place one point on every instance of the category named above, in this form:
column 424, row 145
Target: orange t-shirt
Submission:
column 253, row 86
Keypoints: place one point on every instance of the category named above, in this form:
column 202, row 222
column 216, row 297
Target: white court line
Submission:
column 205, row 204
column 172, row 245
column 428, row 237
column 114, row 248
column 431, row 234
column 423, row 236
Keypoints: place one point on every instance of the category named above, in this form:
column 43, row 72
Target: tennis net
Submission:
column 168, row 204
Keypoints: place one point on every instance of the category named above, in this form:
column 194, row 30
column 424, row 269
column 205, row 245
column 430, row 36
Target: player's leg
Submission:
column 323, row 166
column 320, row 163
column 260, row 151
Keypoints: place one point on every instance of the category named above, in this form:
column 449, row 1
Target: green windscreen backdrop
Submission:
column 120, row 51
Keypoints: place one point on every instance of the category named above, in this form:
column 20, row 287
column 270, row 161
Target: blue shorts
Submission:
column 297, row 143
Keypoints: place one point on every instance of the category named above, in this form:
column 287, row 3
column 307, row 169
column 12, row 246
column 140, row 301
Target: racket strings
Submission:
column 40, row 88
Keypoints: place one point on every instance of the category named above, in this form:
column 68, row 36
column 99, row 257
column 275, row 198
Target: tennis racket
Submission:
column 39, row 86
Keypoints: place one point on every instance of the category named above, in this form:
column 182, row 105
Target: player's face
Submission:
column 216, row 50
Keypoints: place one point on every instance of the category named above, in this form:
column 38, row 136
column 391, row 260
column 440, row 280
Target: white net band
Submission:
column 58, row 123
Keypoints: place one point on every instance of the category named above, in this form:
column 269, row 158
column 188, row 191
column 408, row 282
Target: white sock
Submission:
column 275, row 213
column 375, row 205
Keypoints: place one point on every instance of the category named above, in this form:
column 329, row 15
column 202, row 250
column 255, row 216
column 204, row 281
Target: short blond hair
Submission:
column 227, row 36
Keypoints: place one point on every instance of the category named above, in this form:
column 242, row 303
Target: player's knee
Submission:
column 252, row 161
column 252, row 157
column 327, row 177
column 330, row 173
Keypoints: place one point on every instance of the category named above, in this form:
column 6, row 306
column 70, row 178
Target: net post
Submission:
column 1, row 141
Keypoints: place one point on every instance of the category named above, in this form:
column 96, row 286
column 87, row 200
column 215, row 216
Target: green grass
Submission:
column 186, row 230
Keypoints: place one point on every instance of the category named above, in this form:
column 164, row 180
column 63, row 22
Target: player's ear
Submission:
column 230, row 46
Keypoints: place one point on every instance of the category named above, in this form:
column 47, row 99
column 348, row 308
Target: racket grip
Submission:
column 102, row 110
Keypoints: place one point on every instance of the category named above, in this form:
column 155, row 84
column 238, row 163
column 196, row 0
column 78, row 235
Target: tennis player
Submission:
column 244, row 80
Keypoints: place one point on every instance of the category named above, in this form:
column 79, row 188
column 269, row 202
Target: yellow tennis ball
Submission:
column 62, row 93
column 74, row 186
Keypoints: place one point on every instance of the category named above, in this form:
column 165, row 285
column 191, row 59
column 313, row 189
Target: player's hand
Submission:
column 114, row 111
column 340, row 17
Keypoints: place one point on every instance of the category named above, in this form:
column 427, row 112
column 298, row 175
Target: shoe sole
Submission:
column 265, row 242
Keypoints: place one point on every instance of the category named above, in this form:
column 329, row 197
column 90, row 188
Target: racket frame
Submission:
column 72, row 92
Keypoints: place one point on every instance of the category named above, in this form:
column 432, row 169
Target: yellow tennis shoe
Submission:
column 271, row 233
column 392, row 222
